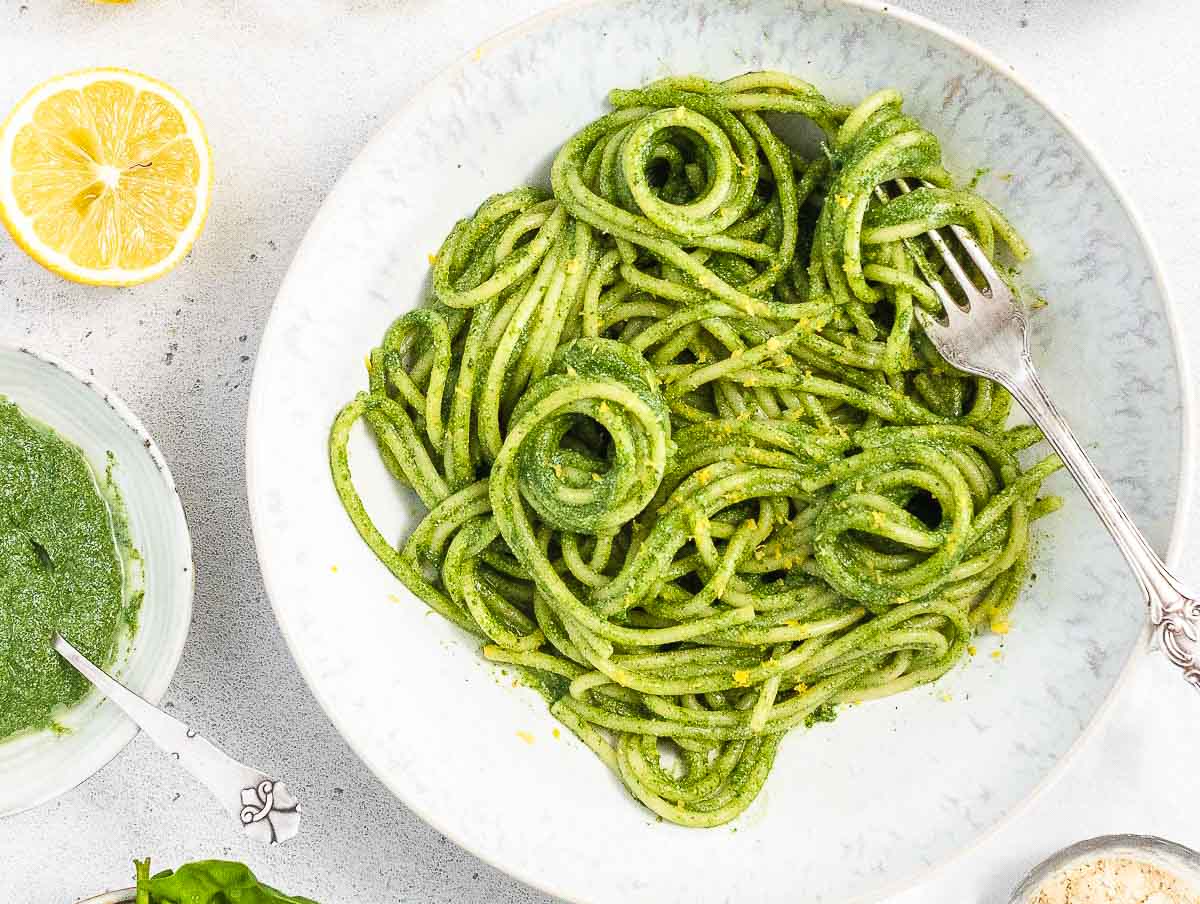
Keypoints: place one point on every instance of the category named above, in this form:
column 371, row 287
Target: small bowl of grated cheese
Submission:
column 1115, row 869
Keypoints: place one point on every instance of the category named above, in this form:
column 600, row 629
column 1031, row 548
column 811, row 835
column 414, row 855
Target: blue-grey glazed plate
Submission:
column 853, row 809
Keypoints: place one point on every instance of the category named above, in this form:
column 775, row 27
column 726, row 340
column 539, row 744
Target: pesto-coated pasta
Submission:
column 688, row 462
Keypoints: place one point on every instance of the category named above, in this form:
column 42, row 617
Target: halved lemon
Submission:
column 105, row 176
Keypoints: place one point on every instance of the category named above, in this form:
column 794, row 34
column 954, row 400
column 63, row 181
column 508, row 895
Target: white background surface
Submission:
column 290, row 90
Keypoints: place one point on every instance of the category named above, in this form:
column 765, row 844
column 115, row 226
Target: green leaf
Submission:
column 207, row 882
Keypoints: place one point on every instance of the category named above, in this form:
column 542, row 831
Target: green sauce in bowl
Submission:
column 63, row 553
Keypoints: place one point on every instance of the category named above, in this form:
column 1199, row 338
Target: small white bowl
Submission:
column 38, row 766
column 1175, row 858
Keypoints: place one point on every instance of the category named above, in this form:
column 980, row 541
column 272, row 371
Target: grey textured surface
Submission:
column 289, row 92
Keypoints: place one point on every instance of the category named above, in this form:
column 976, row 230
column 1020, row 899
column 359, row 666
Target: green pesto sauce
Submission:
column 61, row 570
column 826, row 712
column 978, row 177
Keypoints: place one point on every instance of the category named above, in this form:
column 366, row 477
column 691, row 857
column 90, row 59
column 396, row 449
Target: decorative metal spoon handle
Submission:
column 263, row 806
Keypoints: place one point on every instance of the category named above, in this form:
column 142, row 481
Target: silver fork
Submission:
column 989, row 337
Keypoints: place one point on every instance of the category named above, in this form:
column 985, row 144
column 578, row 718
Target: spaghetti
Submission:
column 688, row 463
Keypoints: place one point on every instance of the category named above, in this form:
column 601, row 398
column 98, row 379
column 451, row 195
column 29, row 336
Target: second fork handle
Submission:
column 1174, row 612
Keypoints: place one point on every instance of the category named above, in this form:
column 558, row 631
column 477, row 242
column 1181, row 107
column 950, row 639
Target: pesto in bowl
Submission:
column 65, row 567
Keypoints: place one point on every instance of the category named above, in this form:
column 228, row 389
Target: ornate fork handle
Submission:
column 1174, row 611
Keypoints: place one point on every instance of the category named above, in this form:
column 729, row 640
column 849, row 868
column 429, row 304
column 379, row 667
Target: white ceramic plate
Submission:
column 37, row 766
column 892, row 788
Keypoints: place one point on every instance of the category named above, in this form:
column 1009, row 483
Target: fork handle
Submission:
column 1174, row 611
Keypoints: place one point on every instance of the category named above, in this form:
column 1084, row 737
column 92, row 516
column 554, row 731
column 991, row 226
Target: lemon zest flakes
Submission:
column 525, row 736
column 741, row 678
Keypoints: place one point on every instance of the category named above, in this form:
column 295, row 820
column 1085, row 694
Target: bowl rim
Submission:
column 1188, row 398
column 128, row 730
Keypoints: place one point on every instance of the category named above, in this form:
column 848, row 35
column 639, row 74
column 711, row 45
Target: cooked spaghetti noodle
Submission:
column 688, row 463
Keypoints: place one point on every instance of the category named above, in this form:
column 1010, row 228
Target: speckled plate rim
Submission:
column 1189, row 396
column 126, row 730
